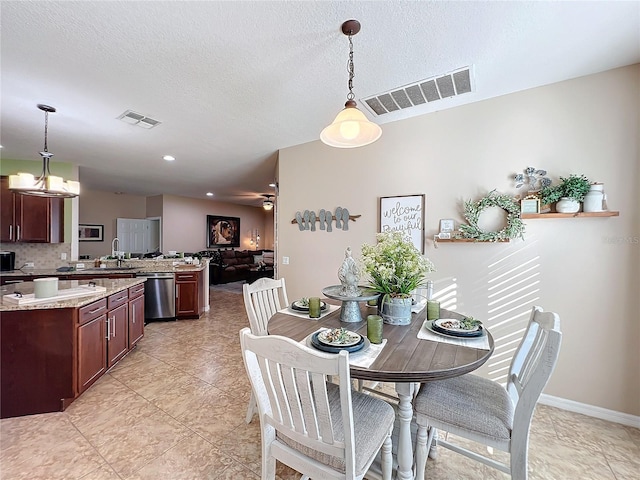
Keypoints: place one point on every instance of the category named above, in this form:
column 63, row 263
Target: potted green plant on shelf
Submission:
column 568, row 194
column 396, row 268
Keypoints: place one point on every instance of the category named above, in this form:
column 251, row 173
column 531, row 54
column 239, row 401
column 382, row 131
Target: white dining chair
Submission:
column 484, row 411
column 262, row 299
column 320, row 429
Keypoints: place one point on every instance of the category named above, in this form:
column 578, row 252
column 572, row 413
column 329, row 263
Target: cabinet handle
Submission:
column 10, row 232
column 114, row 326
column 108, row 328
column 96, row 310
column 17, row 233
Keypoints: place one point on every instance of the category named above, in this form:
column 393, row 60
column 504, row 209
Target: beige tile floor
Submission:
column 174, row 409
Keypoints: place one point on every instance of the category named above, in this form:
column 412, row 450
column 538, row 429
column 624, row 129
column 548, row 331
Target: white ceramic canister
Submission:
column 45, row 287
column 593, row 200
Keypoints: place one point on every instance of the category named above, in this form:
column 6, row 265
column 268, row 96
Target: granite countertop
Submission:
column 128, row 266
column 112, row 286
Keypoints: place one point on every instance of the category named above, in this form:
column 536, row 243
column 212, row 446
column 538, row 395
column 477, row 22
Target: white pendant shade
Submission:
column 49, row 186
column 350, row 129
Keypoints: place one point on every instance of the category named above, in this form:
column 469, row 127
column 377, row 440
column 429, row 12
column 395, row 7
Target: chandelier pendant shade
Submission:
column 350, row 128
column 46, row 185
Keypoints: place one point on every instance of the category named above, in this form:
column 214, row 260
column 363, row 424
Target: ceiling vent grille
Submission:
column 418, row 93
column 134, row 118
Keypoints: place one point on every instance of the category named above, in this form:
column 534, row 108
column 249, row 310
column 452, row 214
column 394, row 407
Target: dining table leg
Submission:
column 405, row 414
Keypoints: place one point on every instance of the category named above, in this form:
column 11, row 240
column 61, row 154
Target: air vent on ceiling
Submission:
column 134, row 118
column 418, row 93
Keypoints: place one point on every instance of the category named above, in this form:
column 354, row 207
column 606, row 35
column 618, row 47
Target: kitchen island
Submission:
column 53, row 350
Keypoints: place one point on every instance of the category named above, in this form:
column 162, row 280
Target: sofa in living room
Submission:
column 235, row 265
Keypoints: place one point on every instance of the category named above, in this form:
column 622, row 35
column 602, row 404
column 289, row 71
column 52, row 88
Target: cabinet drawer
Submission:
column 136, row 291
column 186, row 277
column 91, row 311
column 117, row 299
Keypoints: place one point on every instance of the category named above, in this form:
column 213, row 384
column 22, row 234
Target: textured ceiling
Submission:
column 233, row 82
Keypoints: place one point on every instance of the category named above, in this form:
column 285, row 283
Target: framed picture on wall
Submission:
column 223, row 231
column 90, row 233
column 404, row 214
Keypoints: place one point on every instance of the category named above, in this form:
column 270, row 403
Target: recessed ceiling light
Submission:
column 272, row 185
column 209, row 194
column 168, row 158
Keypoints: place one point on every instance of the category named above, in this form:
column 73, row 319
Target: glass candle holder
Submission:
column 374, row 328
column 314, row 307
column 433, row 309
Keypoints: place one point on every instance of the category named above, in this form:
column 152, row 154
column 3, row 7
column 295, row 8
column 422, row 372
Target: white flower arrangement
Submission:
column 395, row 266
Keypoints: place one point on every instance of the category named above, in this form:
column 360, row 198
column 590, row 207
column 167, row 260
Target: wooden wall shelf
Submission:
column 526, row 216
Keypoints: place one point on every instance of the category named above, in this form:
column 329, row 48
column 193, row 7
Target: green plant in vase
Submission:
column 575, row 187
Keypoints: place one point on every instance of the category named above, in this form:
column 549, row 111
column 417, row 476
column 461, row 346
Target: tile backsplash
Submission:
column 43, row 255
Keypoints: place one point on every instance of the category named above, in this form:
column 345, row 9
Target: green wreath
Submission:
column 472, row 211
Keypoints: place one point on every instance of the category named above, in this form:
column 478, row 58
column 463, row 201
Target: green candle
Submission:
column 433, row 310
column 314, row 307
column 374, row 328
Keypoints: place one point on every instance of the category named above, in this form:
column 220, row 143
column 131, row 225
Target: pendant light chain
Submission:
column 350, row 95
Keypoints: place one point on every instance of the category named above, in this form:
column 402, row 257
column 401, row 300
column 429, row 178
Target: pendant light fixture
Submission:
column 46, row 185
column 350, row 128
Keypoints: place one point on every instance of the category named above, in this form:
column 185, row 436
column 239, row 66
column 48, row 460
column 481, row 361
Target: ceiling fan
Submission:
column 265, row 200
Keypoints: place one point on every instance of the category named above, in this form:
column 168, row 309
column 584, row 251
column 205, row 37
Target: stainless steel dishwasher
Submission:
column 159, row 296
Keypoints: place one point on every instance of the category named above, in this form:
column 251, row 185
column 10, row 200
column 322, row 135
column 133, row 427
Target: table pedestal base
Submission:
column 350, row 311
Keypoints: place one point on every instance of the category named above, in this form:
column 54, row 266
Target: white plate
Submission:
column 352, row 339
column 453, row 325
column 366, row 346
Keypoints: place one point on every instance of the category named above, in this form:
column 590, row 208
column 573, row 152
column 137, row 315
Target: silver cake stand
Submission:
column 350, row 310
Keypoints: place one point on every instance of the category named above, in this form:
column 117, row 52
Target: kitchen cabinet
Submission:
column 187, row 298
column 117, row 327
column 92, row 345
column 26, row 218
column 136, row 314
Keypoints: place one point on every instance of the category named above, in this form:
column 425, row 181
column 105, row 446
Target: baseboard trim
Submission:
column 591, row 410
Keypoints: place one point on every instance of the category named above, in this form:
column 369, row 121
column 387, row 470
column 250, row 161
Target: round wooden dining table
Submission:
column 405, row 360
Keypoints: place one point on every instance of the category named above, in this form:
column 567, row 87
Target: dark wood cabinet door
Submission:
column 136, row 320
column 117, row 334
column 187, row 299
column 27, row 218
column 92, row 352
column 7, row 229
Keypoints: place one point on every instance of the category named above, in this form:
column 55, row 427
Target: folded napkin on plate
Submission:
column 362, row 358
column 473, row 342
column 289, row 311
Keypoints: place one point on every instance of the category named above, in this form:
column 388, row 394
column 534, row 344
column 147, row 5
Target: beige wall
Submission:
column 183, row 219
column 184, row 222
column 103, row 208
column 587, row 269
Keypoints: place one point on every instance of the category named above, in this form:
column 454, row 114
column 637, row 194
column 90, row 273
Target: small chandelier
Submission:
column 267, row 203
column 350, row 128
column 46, row 185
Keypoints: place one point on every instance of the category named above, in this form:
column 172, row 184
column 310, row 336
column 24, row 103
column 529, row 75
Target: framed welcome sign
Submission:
column 404, row 214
